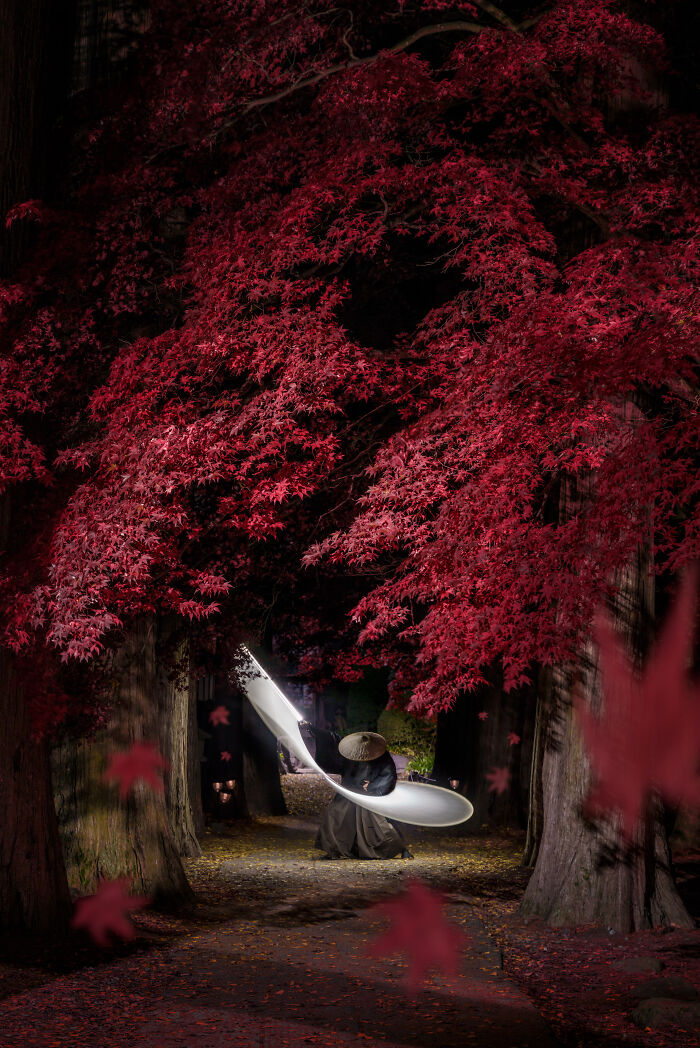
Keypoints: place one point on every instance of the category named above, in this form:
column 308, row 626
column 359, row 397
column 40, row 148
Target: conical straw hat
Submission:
column 362, row 746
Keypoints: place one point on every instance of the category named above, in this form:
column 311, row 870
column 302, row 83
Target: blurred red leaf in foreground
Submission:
column 419, row 930
column 219, row 715
column 141, row 763
column 648, row 737
column 499, row 779
column 105, row 913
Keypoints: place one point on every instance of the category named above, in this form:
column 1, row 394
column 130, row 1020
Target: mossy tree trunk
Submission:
column 103, row 835
column 179, row 742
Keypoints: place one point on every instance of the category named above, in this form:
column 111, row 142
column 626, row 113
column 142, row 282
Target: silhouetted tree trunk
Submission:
column 107, row 34
column 467, row 748
column 33, row 888
column 261, row 773
column 36, row 47
column 36, row 39
column 103, row 835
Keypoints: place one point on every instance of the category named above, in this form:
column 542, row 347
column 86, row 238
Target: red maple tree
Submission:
column 437, row 161
column 372, row 291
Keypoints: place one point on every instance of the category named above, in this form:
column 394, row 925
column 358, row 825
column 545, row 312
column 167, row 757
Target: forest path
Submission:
column 273, row 954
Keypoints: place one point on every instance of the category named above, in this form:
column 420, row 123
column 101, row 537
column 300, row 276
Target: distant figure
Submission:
column 340, row 725
column 348, row 830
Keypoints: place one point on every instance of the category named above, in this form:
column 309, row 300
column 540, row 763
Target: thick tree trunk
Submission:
column 261, row 774
column 178, row 743
column 581, row 875
column 33, row 887
column 103, row 835
column 467, row 748
column 194, row 764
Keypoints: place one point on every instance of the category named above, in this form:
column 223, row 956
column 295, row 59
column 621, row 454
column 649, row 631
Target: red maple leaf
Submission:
column 105, row 913
column 648, row 738
column 483, row 715
column 219, row 715
column 419, row 930
column 225, row 755
column 513, row 739
column 141, row 763
column 499, row 778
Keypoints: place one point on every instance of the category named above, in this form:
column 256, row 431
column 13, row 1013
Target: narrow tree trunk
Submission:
column 33, row 887
column 261, row 774
column 581, row 875
column 103, row 835
column 177, row 744
column 535, row 808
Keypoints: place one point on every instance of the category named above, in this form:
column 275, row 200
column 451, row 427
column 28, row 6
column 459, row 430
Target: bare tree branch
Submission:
column 496, row 13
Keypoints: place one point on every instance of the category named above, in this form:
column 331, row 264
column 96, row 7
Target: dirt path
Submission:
column 274, row 954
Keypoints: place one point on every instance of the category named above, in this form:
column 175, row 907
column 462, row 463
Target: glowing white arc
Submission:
column 411, row 802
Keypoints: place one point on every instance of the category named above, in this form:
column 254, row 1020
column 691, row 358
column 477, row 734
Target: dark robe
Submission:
column 347, row 829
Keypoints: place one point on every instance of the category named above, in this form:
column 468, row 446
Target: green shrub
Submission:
column 410, row 737
column 423, row 765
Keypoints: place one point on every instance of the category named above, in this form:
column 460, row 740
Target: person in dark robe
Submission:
column 365, row 766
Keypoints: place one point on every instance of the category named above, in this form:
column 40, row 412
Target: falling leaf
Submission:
column 225, row 755
column 499, row 778
column 420, row 931
column 483, row 715
column 219, row 715
column 513, row 739
column 648, row 738
column 141, row 763
column 105, row 913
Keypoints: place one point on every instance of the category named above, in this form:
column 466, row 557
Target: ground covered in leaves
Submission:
column 278, row 937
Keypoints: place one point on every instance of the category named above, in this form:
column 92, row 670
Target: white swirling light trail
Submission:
column 411, row 802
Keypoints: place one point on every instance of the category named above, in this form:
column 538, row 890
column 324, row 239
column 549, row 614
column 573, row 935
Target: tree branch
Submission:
column 402, row 45
column 496, row 13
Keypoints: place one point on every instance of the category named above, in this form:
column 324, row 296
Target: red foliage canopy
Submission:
column 368, row 283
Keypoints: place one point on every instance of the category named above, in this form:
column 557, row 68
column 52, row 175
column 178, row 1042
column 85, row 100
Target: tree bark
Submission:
column 34, row 892
column 179, row 744
column 103, row 835
column 582, row 875
column 535, row 807
column 194, row 764
column 261, row 775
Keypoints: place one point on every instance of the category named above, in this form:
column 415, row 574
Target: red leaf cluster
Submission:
column 371, row 293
